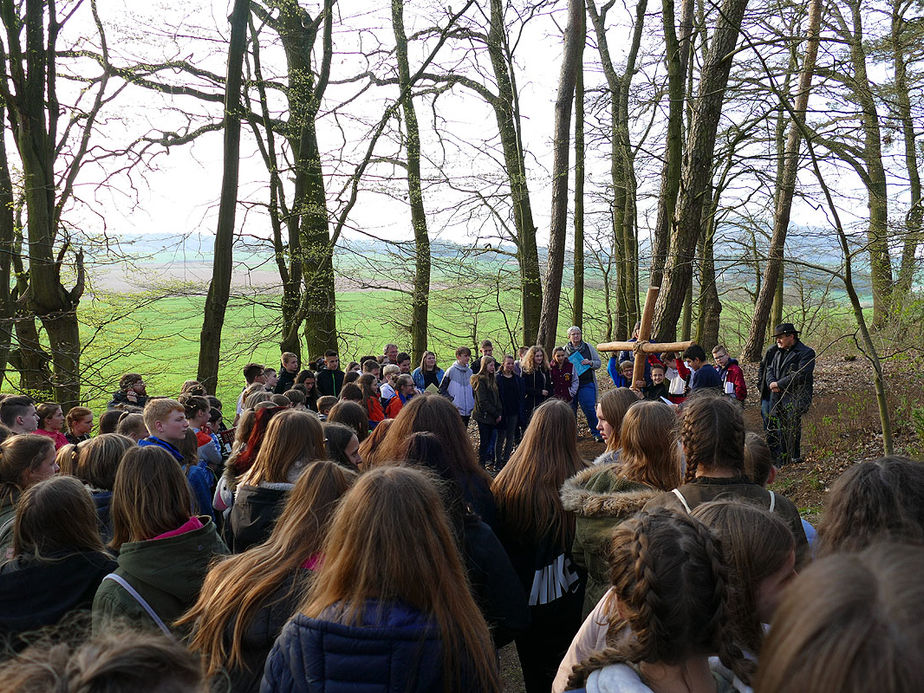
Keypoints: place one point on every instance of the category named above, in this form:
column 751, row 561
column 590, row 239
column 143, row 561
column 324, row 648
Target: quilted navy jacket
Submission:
column 397, row 649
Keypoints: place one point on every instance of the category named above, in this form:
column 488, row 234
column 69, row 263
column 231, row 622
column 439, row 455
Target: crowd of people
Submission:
column 343, row 531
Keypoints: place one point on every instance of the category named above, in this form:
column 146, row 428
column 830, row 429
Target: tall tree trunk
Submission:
column 507, row 115
column 7, row 242
column 710, row 307
column 913, row 219
column 771, row 290
column 420, row 299
column 622, row 172
column 686, row 320
column 548, row 321
column 676, row 57
column 877, row 187
column 697, row 168
column 216, row 302
column 577, row 317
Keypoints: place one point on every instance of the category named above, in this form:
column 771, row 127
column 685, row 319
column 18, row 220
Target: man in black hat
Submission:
column 787, row 371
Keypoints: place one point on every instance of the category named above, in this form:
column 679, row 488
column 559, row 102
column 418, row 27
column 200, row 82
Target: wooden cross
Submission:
column 642, row 345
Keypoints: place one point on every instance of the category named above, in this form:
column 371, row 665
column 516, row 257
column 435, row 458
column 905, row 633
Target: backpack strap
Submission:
column 772, row 500
column 118, row 579
column 683, row 500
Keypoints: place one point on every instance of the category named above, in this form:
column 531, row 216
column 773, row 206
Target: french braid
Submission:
column 712, row 434
column 655, row 554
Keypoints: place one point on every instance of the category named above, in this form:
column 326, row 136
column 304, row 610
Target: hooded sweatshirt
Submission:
column 168, row 573
column 457, row 385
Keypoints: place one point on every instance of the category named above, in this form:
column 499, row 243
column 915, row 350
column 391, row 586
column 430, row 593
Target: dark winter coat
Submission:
column 487, row 404
column 512, row 394
column 168, row 573
column 262, row 633
column 395, row 648
column 793, row 370
column 329, row 383
column 495, row 586
column 119, row 398
column 285, row 381
column 254, row 513
column 36, row 593
column 534, row 383
column 704, row 489
column 600, row 499
column 102, row 500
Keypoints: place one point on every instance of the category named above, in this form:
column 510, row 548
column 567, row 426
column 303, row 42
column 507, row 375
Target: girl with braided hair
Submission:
column 712, row 436
column 667, row 611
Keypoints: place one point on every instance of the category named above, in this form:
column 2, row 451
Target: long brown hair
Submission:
column 482, row 377
column 527, row 489
column 150, row 496
column 53, row 516
column 669, row 588
column 237, row 587
column 291, row 437
column 756, row 544
column 351, row 414
column 648, row 440
column 98, row 459
column 613, row 405
column 849, row 623
column 874, row 501
column 368, row 449
column 390, row 540
column 712, row 434
column 428, row 413
column 19, row 455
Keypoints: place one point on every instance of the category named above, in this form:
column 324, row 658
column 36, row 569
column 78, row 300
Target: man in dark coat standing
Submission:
column 789, row 377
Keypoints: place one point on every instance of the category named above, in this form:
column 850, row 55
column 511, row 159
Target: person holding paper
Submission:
column 586, row 361
column 732, row 376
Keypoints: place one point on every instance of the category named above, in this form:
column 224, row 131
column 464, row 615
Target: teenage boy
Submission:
column 253, row 373
column 330, row 378
column 487, row 349
column 17, row 413
column 166, row 421
column 287, row 373
column 404, row 362
column 731, row 374
column 704, row 375
column 132, row 390
column 457, row 384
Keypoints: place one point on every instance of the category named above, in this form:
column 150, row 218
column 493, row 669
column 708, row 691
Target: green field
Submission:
column 159, row 337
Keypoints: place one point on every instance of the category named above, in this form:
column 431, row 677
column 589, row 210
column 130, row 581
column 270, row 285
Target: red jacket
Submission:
column 374, row 411
column 732, row 373
column 562, row 379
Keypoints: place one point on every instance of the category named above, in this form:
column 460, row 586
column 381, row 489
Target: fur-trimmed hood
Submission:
column 601, row 492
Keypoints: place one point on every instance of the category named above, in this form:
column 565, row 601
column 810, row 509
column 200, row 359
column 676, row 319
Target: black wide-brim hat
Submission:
column 785, row 328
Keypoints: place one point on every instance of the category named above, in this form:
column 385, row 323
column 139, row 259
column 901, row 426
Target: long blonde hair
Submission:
column 291, row 437
column 528, row 362
column 237, row 587
column 527, row 489
column 390, row 540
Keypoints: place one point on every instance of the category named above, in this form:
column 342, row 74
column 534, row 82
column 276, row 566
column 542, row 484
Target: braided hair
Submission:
column 670, row 581
column 712, row 434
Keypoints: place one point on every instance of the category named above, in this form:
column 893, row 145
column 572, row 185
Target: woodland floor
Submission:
column 841, row 429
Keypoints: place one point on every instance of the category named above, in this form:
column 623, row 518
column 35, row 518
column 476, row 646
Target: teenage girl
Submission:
column 668, row 611
column 390, row 605
column 538, row 533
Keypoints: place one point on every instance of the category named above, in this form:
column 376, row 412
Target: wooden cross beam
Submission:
column 642, row 345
